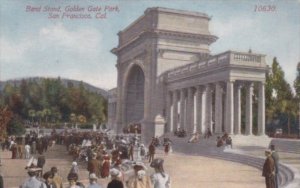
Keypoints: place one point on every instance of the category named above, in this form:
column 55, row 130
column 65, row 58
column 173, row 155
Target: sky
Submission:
column 33, row 43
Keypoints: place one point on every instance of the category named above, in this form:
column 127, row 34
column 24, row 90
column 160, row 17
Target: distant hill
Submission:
column 65, row 81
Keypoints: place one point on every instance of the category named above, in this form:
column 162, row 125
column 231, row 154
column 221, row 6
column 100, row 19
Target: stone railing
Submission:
column 246, row 57
column 229, row 57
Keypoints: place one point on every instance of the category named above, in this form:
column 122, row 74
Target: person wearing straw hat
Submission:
column 140, row 179
column 48, row 177
column 269, row 170
column 115, row 179
column 93, row 181
column 57, row 179
column 159, row 179
column 32, row 181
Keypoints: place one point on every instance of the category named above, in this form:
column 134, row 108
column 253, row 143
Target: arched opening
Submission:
column 134, row 105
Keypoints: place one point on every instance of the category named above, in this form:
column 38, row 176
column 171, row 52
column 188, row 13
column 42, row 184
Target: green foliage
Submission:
column 280, row 99
column 297, row 82
column 86, row 126
column 15, row 126
column 48, row 101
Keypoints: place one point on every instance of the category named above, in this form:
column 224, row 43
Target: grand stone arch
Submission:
column 134, row 95
column 167, row 75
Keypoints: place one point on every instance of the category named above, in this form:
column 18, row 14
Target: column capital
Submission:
column 249, row 84
column 191, row 89
column 200, row 87
column 239, row 85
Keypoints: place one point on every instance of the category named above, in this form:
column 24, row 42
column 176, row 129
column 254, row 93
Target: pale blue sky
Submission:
column 33, row 45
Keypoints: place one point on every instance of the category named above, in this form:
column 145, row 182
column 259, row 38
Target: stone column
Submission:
column 249, row 94
column 208, row 108
column 175, row 110
column 218, row 109
column 261, row 109
column 119, row 112
column 237, row 109
column 204, row 109
column 190, row 110
column 229, row 108
column 182, row 109
column 168, row 110
column 199, row 117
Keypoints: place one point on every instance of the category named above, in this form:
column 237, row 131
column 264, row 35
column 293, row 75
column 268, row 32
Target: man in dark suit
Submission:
column 151, row 152
column 269, row 170
column 40, row 163
column 94, row 165
column 275, row 157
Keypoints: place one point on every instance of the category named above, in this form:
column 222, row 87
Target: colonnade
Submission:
column 195, row 109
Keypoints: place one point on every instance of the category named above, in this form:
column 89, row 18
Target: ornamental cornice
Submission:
column 208, row 37
column 157, row 33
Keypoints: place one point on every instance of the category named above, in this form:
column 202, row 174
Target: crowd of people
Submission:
column 105, row 156
column 224, row 140
column 108, row 157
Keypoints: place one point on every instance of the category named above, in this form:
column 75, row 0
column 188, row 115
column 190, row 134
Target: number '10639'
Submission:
column 264, row 8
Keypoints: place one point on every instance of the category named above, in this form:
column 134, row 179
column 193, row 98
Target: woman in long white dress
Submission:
column 159, row 179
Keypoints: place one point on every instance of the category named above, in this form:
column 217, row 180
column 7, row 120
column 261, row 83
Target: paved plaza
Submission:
column 187, row 165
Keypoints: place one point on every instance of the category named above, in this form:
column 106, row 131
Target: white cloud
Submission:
column 262, row 34
column 54, row 51
column 11, row 51
column 230, row 27
column 83, row 39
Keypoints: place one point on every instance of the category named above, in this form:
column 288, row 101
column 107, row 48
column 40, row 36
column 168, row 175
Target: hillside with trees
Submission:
column 50, row 103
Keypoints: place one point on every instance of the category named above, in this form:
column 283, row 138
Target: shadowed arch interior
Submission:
column 134, row 108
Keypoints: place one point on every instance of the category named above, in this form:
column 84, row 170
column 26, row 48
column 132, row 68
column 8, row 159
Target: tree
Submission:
column 31, row 114
column 81, row 119
column 15, row 126
column 279, row 95
column 48, row 100
column 5, row 117
column 288, row 107
column 46, row 114
column 73, row 118
column 297, row 91
column 297, row 82
column 40, row 116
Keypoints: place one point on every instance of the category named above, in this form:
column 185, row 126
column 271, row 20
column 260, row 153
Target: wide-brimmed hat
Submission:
column 114, row 172
column 93, row 176
column 72, row 176
column 74, row 163
column 268, row 151
column 157, row 163
column 139, row 166
column 34, row 169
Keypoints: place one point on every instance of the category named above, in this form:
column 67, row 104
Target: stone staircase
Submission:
column 288, row 146
column 207, row 148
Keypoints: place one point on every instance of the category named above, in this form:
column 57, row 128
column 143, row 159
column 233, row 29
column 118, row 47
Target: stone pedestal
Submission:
column 159, row 125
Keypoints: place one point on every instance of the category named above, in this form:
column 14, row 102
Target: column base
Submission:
column 147, row 131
